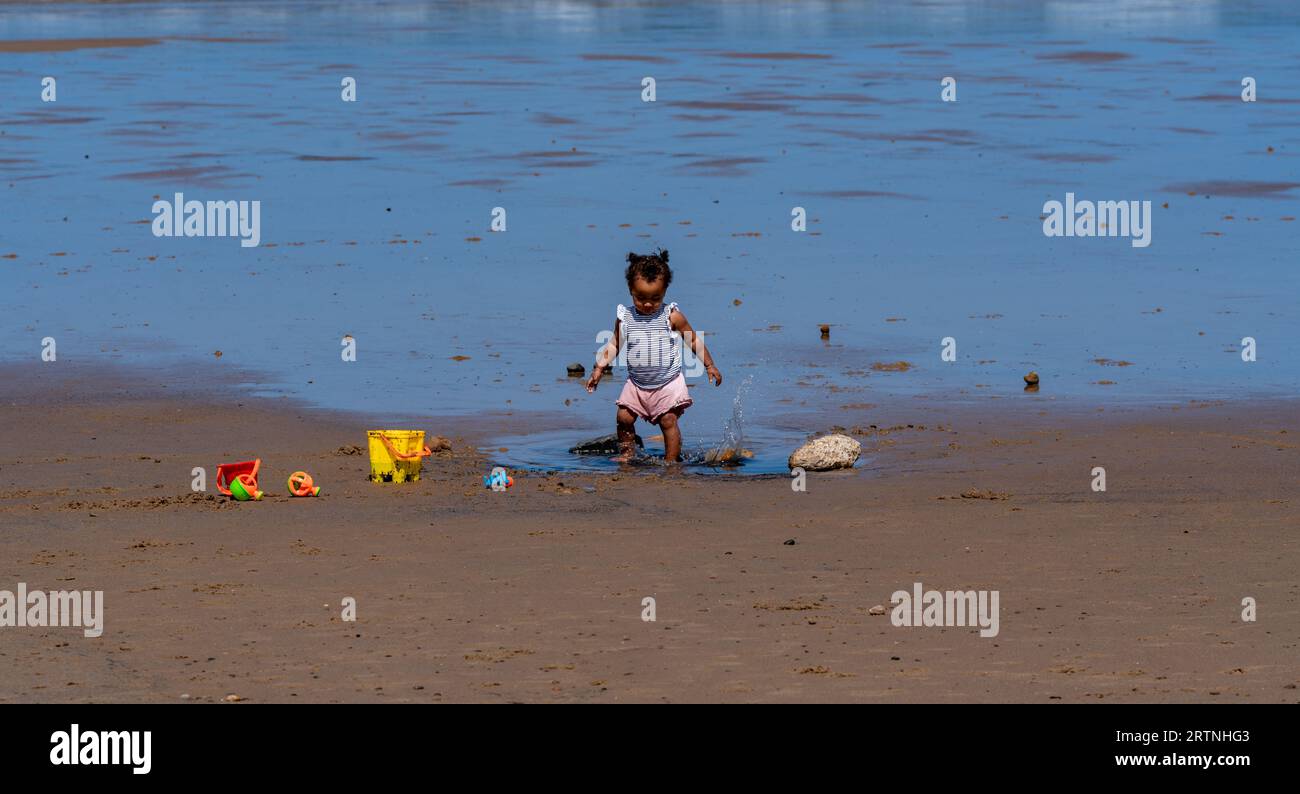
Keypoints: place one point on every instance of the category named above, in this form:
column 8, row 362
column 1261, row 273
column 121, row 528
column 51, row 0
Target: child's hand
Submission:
column 715, row 377
column 594, row 380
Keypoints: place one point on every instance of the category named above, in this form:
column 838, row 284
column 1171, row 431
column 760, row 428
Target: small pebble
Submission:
column 876, row 610
column 576, row 370
column 790, row 542
column 1031, row 378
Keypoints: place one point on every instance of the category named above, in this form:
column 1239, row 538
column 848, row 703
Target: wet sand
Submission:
column 535, row 594
column 71, row 45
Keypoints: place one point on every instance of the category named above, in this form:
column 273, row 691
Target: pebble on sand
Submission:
column 876, row 610
column 1031, row 378
column 439, row 444
column 729, row 456
column 576, row 370
column 826, row 330
column 834, row 451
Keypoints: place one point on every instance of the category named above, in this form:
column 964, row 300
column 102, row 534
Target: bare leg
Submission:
column 626, row 435
column 672, row 436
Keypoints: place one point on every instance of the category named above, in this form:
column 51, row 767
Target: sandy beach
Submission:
column 535, row 594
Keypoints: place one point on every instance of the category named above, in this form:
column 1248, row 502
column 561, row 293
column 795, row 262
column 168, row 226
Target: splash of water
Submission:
column 733, row 433
column 730, row 451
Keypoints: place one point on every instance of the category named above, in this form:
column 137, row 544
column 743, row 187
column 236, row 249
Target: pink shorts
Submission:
column 651, row 404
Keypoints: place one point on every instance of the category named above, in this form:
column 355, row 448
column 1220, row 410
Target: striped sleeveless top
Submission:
column 650, row 348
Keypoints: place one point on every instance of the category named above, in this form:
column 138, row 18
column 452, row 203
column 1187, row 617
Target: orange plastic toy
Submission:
column 228, row 472
column 300, row 484
column 244, row 488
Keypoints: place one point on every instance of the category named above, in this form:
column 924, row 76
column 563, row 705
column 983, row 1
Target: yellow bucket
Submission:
column 396, row 455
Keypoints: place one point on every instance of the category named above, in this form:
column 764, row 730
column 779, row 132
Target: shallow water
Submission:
column 923, row 216
column 548, row 451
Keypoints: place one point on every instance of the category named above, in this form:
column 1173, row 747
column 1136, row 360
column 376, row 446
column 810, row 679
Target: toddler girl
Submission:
column 651, row 336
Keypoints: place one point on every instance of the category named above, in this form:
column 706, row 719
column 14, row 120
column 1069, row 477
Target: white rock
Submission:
column 828, row 452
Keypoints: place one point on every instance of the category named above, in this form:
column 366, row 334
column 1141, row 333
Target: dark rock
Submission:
column 604, row 445
column 577, row 370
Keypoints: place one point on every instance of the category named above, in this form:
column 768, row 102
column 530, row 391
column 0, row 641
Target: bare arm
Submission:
column 607, row 354
column 683, row 326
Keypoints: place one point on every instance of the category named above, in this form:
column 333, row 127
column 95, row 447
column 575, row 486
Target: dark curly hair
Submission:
column 650, row 267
